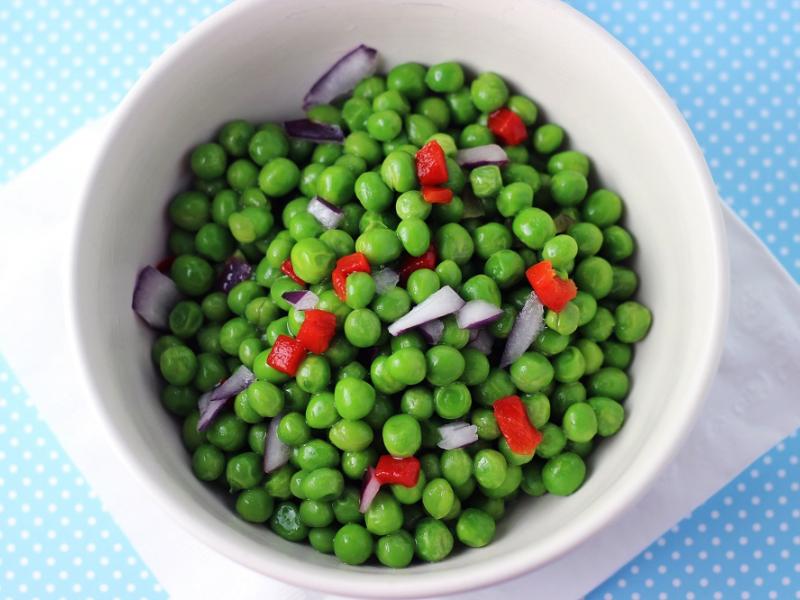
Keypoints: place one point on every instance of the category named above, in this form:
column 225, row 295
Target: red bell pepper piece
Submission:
column 317, row 330
column 286, row 355
column 436, row 195
column 403, row 471
column 165, row 263
column 553, row 291
column 431, row 164
column 507, row 125
column 288, row 269
column 351, row 263
column 413, row 263
column 512, row 419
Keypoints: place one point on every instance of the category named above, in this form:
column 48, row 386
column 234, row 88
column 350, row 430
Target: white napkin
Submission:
column 753, row 403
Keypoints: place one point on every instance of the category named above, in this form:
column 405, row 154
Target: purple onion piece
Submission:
column 528, row 324
column 385, row 280
column 343, row 76
column 209, row 407
column 489, row 154
column 306, row 129
column 457, row 435
column 370, row 486
column 441, row 303
column 432, row 331
column 328, row 215
column 301, row 299
column 477, row 313
column 154, row 295
column 276, row 453
column 482, row 342
column 235, row 270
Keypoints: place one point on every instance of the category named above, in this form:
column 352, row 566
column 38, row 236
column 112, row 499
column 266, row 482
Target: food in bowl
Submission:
column 433, row 304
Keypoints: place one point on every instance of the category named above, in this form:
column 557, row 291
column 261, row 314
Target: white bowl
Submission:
column 255, row 59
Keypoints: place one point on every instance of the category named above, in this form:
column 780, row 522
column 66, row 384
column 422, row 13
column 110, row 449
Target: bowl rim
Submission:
column 491, row 571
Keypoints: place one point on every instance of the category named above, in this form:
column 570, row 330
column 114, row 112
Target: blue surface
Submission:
column 732, row 67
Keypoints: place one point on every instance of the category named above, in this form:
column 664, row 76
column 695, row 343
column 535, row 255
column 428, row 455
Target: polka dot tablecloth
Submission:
column 733, row 67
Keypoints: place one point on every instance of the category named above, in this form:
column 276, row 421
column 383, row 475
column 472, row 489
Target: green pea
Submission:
column 210, row 371
column 609, row 382
column 421, row 284
column 414, row 235
column 563, row 475
column 379, row 245
column 408, row 79
column 352, row 544
column 445, row 77
column 242, row 294
column 600, row 327
column 514, row 197
column 580, row 422
column 244, row 471
column 381, row 378
column 449, row 273
column 192, row 275
column 453, row 335
column 312, row 260
column 362, row 328
column 419, row 128
column 293, row 430
column 242, row 174
column 476, row 367
column 402, row 435
column 592, row 355
column 497, row 385
column 456, row 466
column 569, row 160
column 595, row 276
column 391, row 99
column 323, row 484
column 624, row 283
column 346, row 507
column 278, row 177
column 617, row 243
column 179, row 400
column 462, row 109
column 208, row 462
column 486, row 181
column 490, row 468
column 398, row 171
column 268, row 143
column 314, row 513
column 192, row 438
column 602, row 208
column 395, row 550
column 517, row 173
column 548, row 138
column 568, row 188
column 456, row 180
column 553, row 441
column 531, row 372
column 189, row 210
column 438, row 498
column 250, row 224
column 564, row 322
column 411, row 205
column 408, row 339
column 321, row 539
column 178, row 365
column 453, row 242
column 407, row 365
column 632, row 322
column 445, row 140
column 285, row 521
column 452, row 401
column 227, row 432
column 616, row 354
column 254, row 505
column 532, row 483
column 313, row 374
column 234, row 137
column 180, row 242
column 350, row 436
column 488, row 92
column 533, row 227
column 610, row 415
column 588, row 237
column 384, row 515
column 505, row 267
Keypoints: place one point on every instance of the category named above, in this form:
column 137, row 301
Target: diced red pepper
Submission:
column 351, row 263
column 507, row 125
column 288, row 269
column 512, row 419
column 414, row 263
column 436, row 195
column 286, row 355
column 403, row 471
column 431, row 164
column 165, row 263
column 317, row 330
column 553, row 291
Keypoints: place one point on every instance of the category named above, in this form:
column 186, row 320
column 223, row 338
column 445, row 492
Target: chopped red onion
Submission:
column 301, row 299
column 370, row 486
column 385, row 280
column 343, row 76
column 432, row 331
column 490, row 154
column 443, row 302
column 477, row 313
column 482, row 342
column 328, row 215
column 235, row 270
column 154, row 295
column 306, row 129
column 209, row 407
column 528, row 324
column 276, row 453
column 457, row 435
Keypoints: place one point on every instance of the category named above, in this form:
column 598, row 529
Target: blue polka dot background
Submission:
column 733, row 68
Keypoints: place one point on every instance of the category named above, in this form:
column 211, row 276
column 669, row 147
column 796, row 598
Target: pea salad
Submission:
column 384, row 323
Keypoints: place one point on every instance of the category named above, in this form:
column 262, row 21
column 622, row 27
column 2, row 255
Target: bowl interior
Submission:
column 256, row 60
